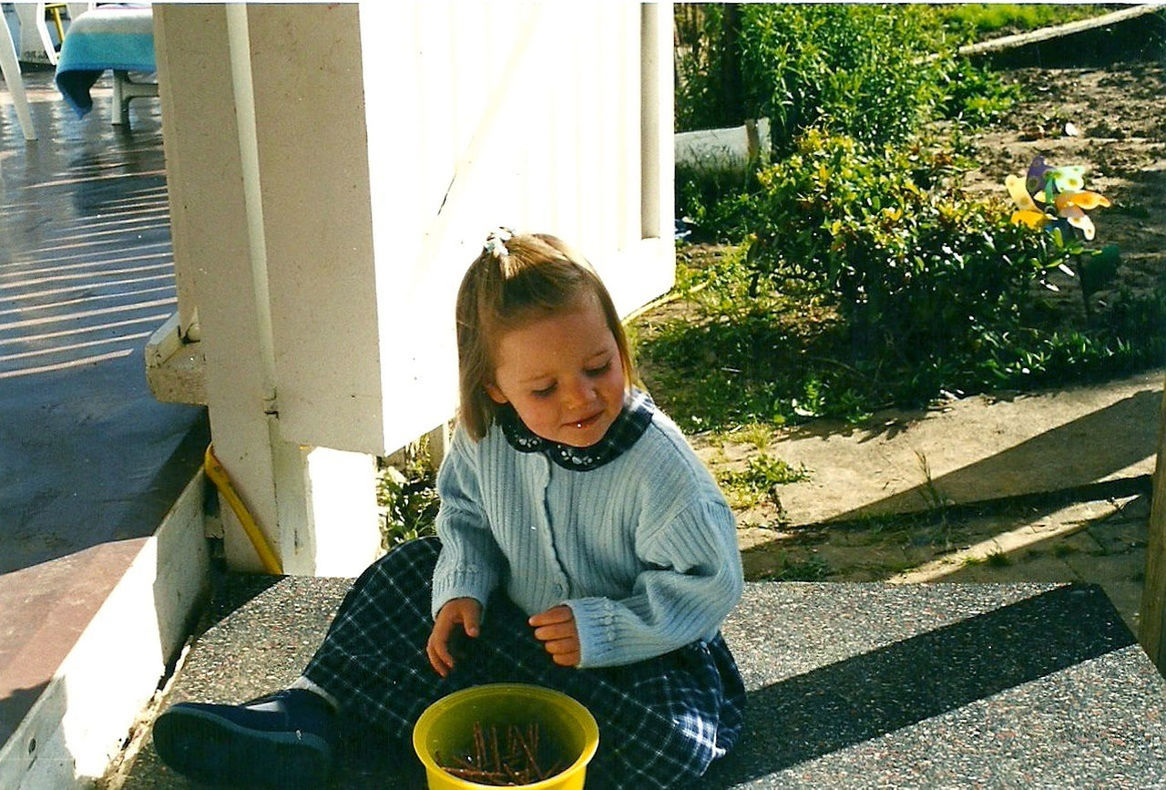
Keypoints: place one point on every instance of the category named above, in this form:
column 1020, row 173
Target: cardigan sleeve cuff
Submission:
column 595, row 622
column 462, row 580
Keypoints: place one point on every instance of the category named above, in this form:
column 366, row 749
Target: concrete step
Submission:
column 130, row 608
column 850, row 685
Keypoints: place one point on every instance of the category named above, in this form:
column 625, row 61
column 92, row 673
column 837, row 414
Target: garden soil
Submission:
column 1110, row 117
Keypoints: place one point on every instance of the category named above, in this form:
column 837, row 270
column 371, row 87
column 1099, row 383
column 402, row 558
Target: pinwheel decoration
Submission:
column 1062, row 190
column 1066, row 201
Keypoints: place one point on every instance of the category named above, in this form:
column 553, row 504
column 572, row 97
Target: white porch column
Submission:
column 234, row 221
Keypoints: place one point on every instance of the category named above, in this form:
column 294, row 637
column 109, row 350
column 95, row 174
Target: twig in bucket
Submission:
column 494, row 747
column 520, row 765
column 479, row 744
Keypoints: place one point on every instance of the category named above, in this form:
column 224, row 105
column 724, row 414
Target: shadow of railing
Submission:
column 1080, row 452
column 892, row 687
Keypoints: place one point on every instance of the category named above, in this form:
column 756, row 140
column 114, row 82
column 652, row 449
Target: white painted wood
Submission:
column 543, row 106
column 313, row 188
column 656, row 125
column 36, row 43
column 1152, row 628
column 229, row 235
column 184, row 276
column 212, row 246
column 328, row 191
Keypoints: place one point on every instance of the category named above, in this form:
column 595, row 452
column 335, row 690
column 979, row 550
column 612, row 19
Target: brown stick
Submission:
column 494, row 747
column 479, row 744
column 509, row 771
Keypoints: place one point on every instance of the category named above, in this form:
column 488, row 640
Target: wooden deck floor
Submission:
column 89, row 460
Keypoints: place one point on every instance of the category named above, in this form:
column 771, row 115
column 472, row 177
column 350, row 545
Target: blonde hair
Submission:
column 515, row 280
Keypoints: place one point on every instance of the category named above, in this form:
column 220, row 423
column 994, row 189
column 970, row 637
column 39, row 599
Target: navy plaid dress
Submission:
column 661, row 722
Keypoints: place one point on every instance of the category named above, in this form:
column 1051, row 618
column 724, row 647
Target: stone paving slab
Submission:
column 970, row 450
column 850, row 685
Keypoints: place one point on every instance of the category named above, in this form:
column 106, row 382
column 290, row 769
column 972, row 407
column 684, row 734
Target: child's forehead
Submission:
column 582, row 321
column 586, row 301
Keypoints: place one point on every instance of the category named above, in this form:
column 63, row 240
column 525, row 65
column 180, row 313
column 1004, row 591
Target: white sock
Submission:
column 303, row 683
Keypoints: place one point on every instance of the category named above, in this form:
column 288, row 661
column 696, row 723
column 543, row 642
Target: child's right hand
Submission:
column 464, row 611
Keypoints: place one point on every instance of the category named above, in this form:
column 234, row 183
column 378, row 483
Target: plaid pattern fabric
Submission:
column 629, row 426
column 662, row 722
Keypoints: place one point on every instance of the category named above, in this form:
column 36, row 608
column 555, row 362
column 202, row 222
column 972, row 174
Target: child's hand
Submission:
column 464, row 611
column 555, row 628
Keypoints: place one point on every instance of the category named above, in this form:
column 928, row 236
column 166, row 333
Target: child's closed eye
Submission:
column 543, row 392
column 600, row 370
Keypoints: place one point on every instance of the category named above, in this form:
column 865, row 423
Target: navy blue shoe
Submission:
column 283, row 740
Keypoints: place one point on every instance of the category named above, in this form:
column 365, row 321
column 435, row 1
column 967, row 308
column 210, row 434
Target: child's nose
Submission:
column 578, row 392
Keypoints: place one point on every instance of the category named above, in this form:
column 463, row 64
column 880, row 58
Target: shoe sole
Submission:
column 212, row 750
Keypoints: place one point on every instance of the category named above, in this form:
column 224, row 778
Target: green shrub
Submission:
column 976, row 95
column 407, row 499
column 716, row 202
column 917, row 268
column 871, row 72
column 701, row 61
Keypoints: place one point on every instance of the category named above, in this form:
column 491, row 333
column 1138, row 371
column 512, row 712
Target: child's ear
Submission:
column 496, row 394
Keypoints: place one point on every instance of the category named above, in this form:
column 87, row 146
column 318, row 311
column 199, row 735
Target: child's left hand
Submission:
column 555, row 628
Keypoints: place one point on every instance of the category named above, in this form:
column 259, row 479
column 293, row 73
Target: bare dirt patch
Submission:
column 1112, row 120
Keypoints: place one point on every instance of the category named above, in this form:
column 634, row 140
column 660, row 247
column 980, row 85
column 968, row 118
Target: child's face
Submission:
column 562, row 374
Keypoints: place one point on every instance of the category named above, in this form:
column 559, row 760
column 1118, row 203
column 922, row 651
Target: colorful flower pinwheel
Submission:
column 1065, row 201
column 1062, row 190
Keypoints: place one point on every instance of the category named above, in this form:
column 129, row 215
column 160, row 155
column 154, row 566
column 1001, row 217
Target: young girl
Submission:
column 581, row 546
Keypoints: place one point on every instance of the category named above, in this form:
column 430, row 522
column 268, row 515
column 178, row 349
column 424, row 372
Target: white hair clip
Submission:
column 496, row 242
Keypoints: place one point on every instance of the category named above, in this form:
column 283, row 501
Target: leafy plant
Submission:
column 759, row 479
column 857, row 67
column 407, row 498
column 869, row 71
column 808, row 569
column 918, row 269
column 873, row 73
column 976, row 95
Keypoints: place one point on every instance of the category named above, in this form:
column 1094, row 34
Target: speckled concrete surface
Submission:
column 867, row 685
column 850, row 685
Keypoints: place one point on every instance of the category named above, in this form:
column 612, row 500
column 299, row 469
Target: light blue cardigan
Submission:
column 643, row 549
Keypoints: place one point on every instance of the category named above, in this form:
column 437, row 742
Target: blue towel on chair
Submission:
column 118, row 37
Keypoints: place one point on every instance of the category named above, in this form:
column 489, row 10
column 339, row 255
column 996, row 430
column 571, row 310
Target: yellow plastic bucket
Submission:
column 567, row 733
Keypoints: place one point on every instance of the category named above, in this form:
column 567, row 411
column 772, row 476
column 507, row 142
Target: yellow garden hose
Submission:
column 218, row 475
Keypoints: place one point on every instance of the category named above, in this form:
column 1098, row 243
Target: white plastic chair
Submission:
column 10, row 67
column 32, row 18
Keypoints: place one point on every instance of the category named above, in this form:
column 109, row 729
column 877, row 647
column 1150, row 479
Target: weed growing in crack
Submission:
column 807, row 569
column 758, row 481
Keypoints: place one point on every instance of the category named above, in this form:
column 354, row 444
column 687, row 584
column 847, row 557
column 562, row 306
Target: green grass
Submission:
column 998, row 559
column 980, row 21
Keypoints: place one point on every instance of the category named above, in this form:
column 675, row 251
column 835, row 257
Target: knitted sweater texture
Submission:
column 643, row 549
